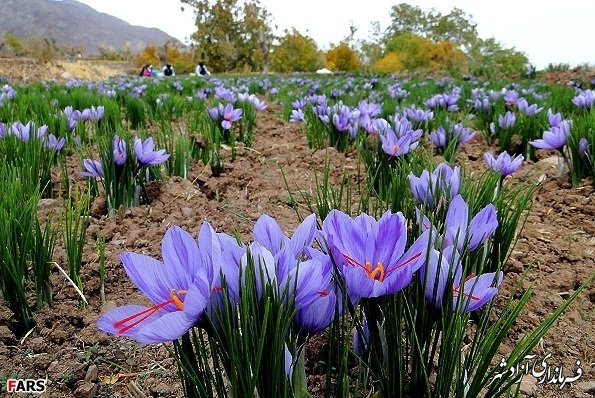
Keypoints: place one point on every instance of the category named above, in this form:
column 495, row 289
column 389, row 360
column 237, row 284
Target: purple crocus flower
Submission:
column 526, row 109
column 22, row 131
column 467, row 234
column 145, row 153
column 314, row 295
column 461, row 134
column 438, row 137
column 554, row 119
column 507, row 120
column 53, row 143
column 371, row 255
column 419, row 115
column 443, row 180
column 213, row 114
column 510, row 97
column 119, row 151
column 445, row 266
column 297, row 115
column 477, row 291
column 230, row 115
column 178, row 289
column 584, row 99
column 394, row 146
column 504, row 164
column 2, row 130
column 555, row 138
column 361, row 338
column 258, row 104
column 93, row 168
column 583, row 147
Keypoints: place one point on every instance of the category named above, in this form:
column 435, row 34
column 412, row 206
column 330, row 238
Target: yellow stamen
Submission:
column 176, row 299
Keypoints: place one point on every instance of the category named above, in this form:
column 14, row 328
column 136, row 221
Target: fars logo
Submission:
column 35, row 386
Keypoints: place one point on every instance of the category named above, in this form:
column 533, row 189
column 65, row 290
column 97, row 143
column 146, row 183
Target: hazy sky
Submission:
column 547, row 31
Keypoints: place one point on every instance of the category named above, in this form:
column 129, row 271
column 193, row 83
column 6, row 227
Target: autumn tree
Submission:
column 342, row 57
column 149, row 55
column 448, row 41
column 295, row 53
column 232, row 36
column 391, row 62
column 15, row 45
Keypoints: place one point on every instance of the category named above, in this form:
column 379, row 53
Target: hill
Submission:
column 74, row 25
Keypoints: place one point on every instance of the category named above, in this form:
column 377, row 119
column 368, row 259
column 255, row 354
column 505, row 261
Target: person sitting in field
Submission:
column 201, row 70
column 168, row 70
column 147, row 70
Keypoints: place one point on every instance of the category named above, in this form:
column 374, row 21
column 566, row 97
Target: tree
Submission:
column 489, row 56
column 372, row 50
column 16, row 45
column 429, row 39
column 295, row 53
column 149, row 55
column 230, row 36
column 391, row 62
column 342, row 58
column 413, row 50
column 408, row 19
column 456, row 27
column 257, row 37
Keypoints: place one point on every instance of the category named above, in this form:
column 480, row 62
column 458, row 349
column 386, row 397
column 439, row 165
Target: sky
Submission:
column 547, row 31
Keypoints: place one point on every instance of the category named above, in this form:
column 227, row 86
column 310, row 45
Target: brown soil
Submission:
column 556, row 247
column 26, row 70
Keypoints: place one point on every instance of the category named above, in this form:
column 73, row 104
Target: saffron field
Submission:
column 295, row 236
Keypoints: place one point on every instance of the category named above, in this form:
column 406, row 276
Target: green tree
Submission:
column 295, row 53
column 489, row 56
column 456, row 27
column 406, row 18
column 256, row 38
column 231, row 35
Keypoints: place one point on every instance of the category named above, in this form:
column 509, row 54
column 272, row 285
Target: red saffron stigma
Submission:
column 146, row 313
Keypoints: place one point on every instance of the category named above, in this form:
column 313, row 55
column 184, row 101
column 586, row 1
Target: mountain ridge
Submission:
column 76, row 25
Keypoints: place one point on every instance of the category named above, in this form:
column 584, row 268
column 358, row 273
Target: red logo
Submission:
column 35, row 386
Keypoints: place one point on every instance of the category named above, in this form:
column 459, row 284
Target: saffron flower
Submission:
column 507, row 120
column 445, row 266
column 145, row 153
column 93, row 168
column 177, row 288
column 53, row 143
column 464, row 233
column 526, row 109
column 583, row 147
column 438, row 137
column 230, row 115
column 297, row 115
column 394, row 146
column 428, row 187
column 585, row 99
column 555, row 138
column 504, row 164
column 119, row 151
column 371, row 254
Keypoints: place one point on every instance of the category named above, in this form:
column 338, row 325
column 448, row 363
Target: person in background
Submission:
column 146, row 71
column 168, row 70
column 201, row 70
